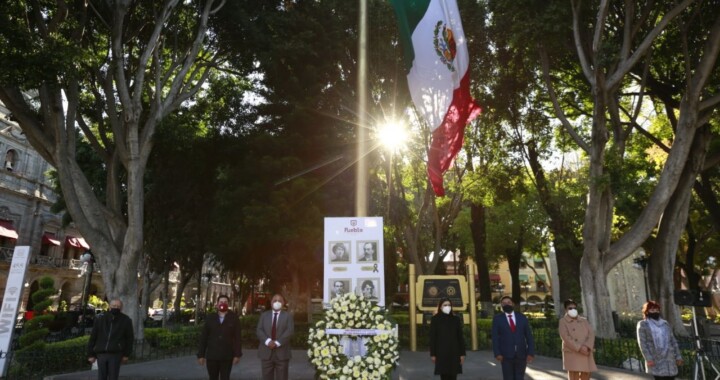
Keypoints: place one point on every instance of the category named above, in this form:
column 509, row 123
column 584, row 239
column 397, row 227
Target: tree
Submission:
column 114, row 70
column 516, row 133
column 619, row 38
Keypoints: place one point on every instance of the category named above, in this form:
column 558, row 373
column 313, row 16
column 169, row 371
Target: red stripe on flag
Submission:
column 447, row 139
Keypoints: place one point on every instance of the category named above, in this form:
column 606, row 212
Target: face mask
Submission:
column 446, row 309
column 115, row 311
column 507, row 308
column 654, row 315
column 572, row 313
column 223, row 307
column 277, row 305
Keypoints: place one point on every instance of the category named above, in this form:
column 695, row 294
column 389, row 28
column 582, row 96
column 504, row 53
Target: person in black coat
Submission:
column 111, row 341
column 447, row 344
column 220, row 345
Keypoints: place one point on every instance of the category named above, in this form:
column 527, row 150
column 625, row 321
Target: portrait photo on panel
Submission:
column 338, row 286
column 339, row 252
column 367, row 251
column 368, row 288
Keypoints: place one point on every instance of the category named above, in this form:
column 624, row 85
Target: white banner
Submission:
column 354, row 258
column 11, row 300
column 358, row 332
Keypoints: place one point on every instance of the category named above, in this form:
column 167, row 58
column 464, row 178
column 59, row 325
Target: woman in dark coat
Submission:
column 447, row 344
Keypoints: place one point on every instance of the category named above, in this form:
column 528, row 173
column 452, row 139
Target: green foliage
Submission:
column 60, row 357
column 98, row 302
column 166, row 339
column 36, row 329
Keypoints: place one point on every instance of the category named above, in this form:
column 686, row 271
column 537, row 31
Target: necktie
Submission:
column 512, row 323
column 274, row 326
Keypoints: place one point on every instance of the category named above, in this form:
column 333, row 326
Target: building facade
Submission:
column 26, row 197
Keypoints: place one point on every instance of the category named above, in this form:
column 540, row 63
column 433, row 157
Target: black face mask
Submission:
column 115, row 311
column 654, row 315
column 507, row 308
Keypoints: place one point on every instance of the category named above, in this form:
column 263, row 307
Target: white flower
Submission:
column 350, row 311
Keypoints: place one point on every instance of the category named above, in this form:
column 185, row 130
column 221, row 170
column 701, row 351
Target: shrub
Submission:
column 36, row 329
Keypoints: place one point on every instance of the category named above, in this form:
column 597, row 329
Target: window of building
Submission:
column 10, row 160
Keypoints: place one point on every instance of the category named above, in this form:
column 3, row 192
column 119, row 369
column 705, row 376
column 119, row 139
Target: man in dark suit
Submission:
column 513, row 343
column 274, row 331
column 220, row 341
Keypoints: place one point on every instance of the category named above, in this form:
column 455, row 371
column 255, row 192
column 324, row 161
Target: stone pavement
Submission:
column 412, row 366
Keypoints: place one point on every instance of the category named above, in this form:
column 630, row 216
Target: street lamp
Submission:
column 88, row 259
column 641, row 262
column 526, row 286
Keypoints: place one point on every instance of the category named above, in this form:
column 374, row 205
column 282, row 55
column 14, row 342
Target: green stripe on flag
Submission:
column 409, row 13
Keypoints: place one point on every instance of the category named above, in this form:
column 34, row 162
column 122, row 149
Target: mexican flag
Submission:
column 436, row 54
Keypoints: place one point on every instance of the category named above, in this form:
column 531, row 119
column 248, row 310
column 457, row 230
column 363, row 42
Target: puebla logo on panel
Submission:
column 444, row 42
column 353, row 227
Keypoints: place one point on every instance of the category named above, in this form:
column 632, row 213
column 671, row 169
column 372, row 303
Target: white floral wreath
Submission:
column 356, row 316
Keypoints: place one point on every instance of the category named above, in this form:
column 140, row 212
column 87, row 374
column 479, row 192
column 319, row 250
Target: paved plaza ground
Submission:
column 412, row 366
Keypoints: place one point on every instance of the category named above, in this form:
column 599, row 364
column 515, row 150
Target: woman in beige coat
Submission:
column 578, row 340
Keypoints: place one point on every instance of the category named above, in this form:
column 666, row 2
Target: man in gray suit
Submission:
column 274, row 331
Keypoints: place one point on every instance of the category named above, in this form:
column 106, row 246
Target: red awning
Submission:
column 50, row 239
column 494, row 277
column 76, row 242
column 7, row 230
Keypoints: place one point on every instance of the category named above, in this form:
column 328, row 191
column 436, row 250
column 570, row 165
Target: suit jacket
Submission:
column 220, row 341
column 512, row 344
column 284, row 330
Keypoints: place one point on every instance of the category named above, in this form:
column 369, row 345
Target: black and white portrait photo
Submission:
column 367, row 251
column 368, row 288
column 338, row 287
column 339, row 252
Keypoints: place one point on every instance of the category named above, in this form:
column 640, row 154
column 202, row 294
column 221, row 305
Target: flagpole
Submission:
column 361, row 176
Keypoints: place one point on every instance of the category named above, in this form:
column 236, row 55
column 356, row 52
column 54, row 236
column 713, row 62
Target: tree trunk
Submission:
column 479, row 235
column 661, row 265
column 567, row 247
column 514, row 258
column 182, row 284
column 596, row 226
column 596, row 298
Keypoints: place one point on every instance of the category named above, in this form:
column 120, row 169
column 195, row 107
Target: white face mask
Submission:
column 572, row 313
column 446, row 309
column 277, row 305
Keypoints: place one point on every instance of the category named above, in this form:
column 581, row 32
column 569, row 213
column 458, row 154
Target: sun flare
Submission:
column 392, row 135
